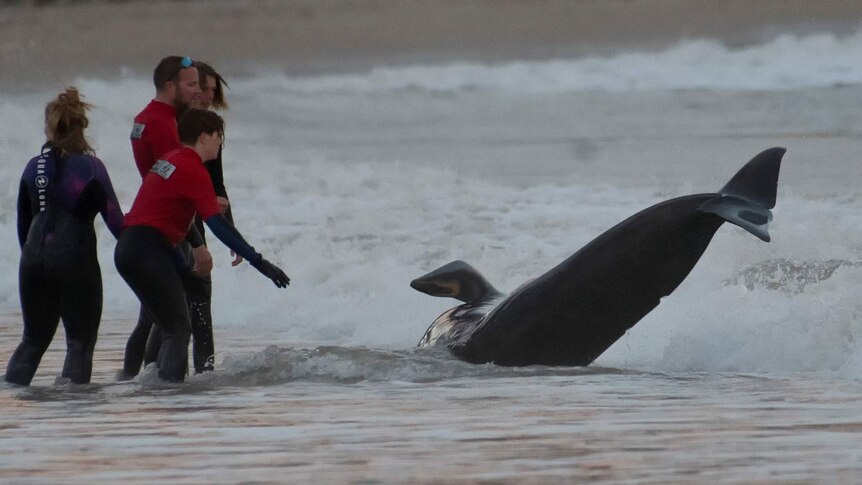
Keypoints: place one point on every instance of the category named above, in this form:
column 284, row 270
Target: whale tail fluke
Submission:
column 745, row 200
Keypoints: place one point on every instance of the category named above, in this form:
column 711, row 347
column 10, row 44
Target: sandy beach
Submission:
column 52, row 44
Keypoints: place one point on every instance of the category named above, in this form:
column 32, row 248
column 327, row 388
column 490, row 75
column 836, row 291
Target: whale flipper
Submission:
column 457, row 280
column 747, row 198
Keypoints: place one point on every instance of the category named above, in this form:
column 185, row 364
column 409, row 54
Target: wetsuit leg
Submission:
column 40, row 306
column 81, row 310
column 154, row 343
column 143, row 258
column 136, row 345
column 199, row 297
column 200, row 310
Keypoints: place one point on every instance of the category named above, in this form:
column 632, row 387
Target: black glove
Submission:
column 272, row 272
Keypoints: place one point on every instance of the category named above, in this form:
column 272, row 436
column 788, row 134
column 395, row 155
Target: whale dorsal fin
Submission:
column 456, row 280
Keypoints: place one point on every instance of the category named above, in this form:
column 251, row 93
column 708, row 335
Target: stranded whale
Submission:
column 575, row 311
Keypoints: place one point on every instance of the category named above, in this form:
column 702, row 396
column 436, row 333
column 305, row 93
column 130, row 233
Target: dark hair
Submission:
column 195, row 122
column 205, row 70
column 66, row 116
column 168, row 69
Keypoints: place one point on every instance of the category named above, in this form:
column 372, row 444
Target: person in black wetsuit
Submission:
column 60, row 194
column 200, row 302
column 175, row 189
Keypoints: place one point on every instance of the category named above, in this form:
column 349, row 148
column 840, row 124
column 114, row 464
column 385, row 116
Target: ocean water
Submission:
column 356, row 183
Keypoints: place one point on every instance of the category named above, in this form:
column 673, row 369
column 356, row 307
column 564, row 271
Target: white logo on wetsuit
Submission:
column 163, row 169
column 41, row 182
column 138, row 131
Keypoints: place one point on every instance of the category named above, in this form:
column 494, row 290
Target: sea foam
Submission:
column 787, row 62
column 316, row 190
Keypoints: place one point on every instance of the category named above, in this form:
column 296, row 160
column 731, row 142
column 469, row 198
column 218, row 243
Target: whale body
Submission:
column 574, row 312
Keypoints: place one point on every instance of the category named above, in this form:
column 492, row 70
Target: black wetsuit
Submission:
column 148, row 262
column 59, row 272
column 199, row 296
column 143, row 344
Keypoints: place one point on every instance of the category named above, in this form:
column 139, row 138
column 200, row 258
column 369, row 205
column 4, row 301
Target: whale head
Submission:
column 456, row 280
column 461, row 281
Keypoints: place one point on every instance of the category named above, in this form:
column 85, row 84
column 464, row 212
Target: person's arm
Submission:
column 200, row 252
column 191, row 279
column 214, row 167
column 109, row 206
column 158, row 139
column 194, row 238
column 25, row 215
column 222, row 229
column 163, row 138
column 216, row 172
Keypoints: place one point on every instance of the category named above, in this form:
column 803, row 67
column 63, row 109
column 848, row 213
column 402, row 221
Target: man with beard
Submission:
column 154, row 133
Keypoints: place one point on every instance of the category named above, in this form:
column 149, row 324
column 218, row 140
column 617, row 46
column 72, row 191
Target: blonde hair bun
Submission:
column 66, row 116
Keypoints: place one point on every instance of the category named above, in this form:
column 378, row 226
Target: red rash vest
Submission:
column 154, row 133
column 176, row 187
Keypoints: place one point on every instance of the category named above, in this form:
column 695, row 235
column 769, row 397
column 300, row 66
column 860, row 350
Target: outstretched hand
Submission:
column 272, row 272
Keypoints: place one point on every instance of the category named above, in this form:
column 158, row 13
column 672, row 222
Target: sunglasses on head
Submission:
column 185, row 63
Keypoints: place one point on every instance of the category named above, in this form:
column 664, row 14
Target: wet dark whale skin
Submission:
column 574, row 312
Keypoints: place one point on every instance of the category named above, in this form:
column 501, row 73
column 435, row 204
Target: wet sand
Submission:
column 51, row 45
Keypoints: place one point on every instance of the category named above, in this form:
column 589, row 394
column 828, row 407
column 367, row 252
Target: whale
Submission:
column 574, row 312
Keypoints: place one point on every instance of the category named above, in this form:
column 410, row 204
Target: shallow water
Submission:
column 357, row 183
column 272, row 416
